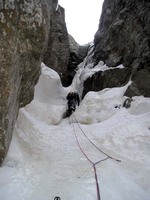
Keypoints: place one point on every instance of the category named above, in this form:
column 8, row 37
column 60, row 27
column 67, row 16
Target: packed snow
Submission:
column 44, row 159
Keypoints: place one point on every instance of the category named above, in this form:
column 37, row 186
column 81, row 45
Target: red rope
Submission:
column 93, row 143
column 93, row 164
column 97, row 185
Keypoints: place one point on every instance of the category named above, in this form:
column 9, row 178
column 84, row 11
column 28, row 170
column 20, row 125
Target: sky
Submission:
column 82, row 18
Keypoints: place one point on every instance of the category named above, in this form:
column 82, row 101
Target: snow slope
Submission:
column 44, row 160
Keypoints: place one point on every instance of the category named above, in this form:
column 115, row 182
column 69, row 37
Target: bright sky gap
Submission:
column 82, row 18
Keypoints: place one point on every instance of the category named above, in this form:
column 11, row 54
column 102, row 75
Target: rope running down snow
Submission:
column 93, row 143
column 93, row 164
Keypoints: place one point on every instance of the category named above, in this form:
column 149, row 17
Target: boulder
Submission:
column 107, row 79
column 140, row 84
column 24, row 31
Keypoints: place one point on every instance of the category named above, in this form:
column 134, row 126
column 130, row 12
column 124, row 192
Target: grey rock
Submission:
column 78, row 49
column 107, row 79
column 140, row 84
column 24, row 31
column 77, row 55
column 123, row 37
column 73, row 44
column 58, row 52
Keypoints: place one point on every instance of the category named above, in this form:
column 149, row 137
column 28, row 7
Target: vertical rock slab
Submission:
column 107, row 79
column 77, row 55
column 123, row 37
column 24, row 31
column 58, row 52
column 140, row 84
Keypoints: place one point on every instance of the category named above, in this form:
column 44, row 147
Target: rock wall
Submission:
column 63, row 53
column 24, row 31
column 107, row 79
column 77, row 55
column 123, row 37
column 58, row 52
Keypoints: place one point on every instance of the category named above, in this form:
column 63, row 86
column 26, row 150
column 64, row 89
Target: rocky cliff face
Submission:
column 58, row 52
column 63, row 53
column 108, row 79
column 24, row 31
column 77, row 55
column 123, row 37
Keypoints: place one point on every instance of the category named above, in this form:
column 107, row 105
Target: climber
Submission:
column 73, row 101
column 127, row 102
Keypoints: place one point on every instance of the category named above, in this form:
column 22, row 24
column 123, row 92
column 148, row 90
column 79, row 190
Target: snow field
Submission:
column 45, row 161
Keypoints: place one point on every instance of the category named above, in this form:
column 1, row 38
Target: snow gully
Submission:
column 92, row 163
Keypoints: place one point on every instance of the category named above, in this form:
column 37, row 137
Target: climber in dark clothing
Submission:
column 73, row 101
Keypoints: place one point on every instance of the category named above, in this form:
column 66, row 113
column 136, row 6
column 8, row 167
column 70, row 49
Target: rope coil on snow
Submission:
column 92, row 163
